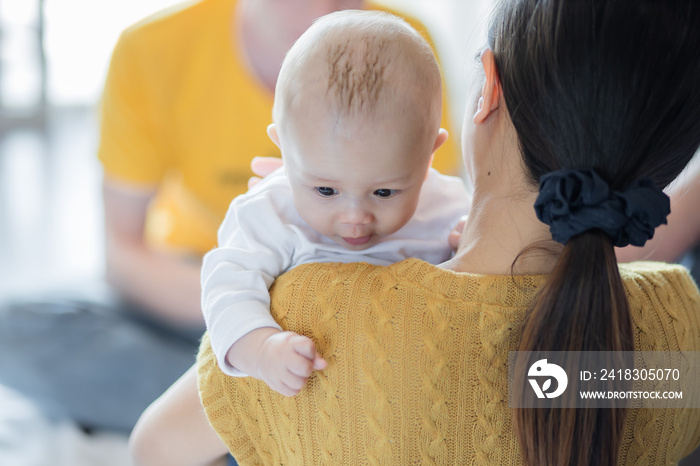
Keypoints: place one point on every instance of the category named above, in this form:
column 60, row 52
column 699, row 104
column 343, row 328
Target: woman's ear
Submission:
column 491, row 93
column 272, row 133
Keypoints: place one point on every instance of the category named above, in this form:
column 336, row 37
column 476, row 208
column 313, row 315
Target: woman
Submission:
column 586, row 110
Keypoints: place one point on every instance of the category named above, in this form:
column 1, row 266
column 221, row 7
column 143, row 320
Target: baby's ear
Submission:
column 430, row 164
column 440, row 140
column 272, row 133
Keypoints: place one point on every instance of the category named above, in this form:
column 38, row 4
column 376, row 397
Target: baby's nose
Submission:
column 356, row 216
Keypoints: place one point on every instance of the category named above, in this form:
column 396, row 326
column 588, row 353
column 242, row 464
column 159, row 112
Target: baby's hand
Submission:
column 456, row 233
column 286, row 360
column 263, row 166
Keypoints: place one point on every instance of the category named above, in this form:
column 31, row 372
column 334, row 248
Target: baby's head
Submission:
column 357, row 118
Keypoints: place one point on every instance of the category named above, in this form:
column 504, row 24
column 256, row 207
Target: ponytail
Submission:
column 607, row 90
column 582, row 307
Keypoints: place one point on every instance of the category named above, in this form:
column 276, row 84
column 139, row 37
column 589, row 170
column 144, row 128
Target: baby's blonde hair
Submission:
column 360, row 59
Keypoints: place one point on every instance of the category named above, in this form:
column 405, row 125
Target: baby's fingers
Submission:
column 456, row 233
column 263, row 166
column 295, row 376
column 319, row 363
column 253, row 180
column 300, row 366
column 306, row 348
column 284, row 389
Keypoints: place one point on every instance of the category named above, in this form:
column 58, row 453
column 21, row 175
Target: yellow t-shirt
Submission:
column 417, row 368
column 181, row 113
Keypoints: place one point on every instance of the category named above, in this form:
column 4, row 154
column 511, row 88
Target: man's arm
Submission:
column 167, row 286
column 175, row 431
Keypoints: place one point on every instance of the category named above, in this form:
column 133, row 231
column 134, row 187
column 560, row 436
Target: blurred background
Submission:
column 54, row 56
column 53, row 60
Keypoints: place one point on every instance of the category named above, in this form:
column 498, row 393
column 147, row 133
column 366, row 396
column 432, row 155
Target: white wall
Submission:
column 458, row 29
column 80, row 35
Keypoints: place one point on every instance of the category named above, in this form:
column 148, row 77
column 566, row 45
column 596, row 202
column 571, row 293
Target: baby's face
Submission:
column 358, row 184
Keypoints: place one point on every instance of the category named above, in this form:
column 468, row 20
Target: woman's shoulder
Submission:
column 355, row 272
column 657, row 279
column 330, row 279
column 412, row 276
column 665, row 306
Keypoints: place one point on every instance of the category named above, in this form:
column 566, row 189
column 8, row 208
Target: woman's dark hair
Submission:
column 612, row 85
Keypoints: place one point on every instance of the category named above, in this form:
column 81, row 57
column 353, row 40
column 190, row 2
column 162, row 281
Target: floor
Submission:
column 27, row 438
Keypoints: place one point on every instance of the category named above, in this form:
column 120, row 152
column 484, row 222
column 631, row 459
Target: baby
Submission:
column 357, row 119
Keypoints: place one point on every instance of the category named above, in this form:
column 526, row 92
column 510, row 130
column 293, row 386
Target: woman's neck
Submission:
column 501, row 226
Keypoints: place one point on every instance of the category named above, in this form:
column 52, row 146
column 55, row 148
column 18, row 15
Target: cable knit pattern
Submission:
column 417, row 368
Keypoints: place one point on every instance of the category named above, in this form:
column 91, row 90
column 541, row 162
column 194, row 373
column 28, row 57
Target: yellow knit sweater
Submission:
column 417, row 368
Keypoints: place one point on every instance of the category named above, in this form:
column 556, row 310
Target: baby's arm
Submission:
column 254, row 248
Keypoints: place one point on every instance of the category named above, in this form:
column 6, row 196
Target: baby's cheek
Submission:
column 310, row 212
column 399, row 218
column 316, row 222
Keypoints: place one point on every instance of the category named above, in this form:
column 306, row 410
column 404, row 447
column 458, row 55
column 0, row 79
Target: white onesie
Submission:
column 263, row 236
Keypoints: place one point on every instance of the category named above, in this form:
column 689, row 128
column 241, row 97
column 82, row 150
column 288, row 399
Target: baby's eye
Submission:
column 385, row 193
column 325, row 191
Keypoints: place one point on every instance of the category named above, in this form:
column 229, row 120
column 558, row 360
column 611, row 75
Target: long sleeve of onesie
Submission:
column 254, row 248
column 263, row 236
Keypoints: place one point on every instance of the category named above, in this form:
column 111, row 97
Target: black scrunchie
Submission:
column 574, row 201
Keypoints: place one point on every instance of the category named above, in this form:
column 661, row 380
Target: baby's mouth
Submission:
column 357, row 241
